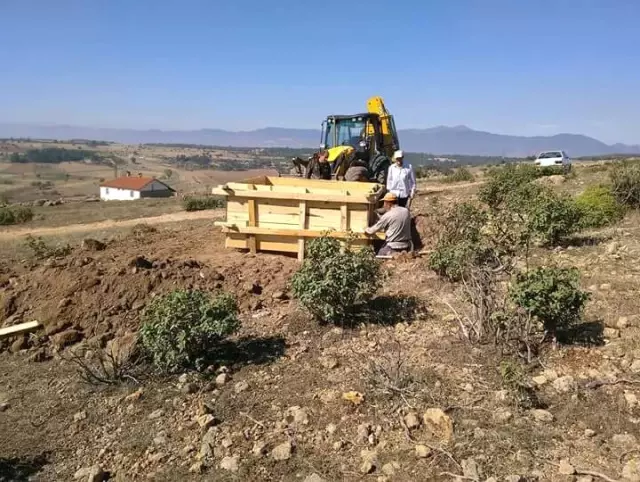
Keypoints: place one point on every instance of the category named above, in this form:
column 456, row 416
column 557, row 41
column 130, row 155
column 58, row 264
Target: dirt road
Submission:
column 111, row 223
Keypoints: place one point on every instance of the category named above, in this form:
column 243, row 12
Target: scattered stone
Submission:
column 439, row 424
column 566, row 468
column 624, row 439
column 612, row 247
column 189, row 388
column 299, row 415
column 197, row 468
column 259, row 449
column 184, row 378
column 331, row 428
column 156, row 414
column 90, row 474
column 501, row 396
column 241, row 387
column 339, row 445
column 605, row 287
column 631, row 470
column 20, row 344
column 585, row 478
column 314, row 478
column 4, row 406
column 422, row 451
column 282, row 451
column 279, row 295
column 502, row 415
column 369, row 461
column 227, row 442
column 230, row 464
column 471, row 469
column 412, row 421
column 132, row 397
column 66, row 338
column 391, row 468
column 611, row 333
column 631, row 399
column 589, row 433
column 635, row 367
column 123, row 347
column 542, row 416
column 565, row 384
column 364, row 429
column 207, row 420
column 160, row 439
column 89, row 244
column 623, row 322
column 540, row 380
column 329, row 362
column 80, row 416
column 222, row 379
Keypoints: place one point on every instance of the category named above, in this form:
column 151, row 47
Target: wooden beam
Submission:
column 344, row 217
column 303, row 226
column 307, row 233
column 353, row 199
column 252, row 223
column 19, row 328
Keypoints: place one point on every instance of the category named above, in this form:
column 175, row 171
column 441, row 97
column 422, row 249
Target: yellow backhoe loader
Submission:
column 368, row 138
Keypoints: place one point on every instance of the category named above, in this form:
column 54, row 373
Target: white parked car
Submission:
column 553, row 158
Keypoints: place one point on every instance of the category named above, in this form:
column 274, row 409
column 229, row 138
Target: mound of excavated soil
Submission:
column 101, row 294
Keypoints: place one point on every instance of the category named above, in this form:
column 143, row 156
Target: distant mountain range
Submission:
column 436, row 140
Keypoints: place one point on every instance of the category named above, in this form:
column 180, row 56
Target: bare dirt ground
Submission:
column 180, row 216
column 435, row 408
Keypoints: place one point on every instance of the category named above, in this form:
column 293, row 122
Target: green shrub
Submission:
column 549, row 217
column 41, row 250
column 461, row 174
column 333, row 280
column 15, row 214
column 598, row 207
column 202, row 203
column 551, row 295
column 461, row 242
column 180, row 329
column 625, row 183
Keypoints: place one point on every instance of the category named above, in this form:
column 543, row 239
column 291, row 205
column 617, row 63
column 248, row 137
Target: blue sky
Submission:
column 506, row 66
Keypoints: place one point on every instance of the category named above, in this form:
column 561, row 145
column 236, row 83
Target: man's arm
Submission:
column 380, row 225
column 412, row 182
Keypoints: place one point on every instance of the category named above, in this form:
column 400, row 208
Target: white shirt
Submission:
column 401, row 181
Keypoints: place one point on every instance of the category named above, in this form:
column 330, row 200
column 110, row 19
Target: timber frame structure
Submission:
column 279, row 213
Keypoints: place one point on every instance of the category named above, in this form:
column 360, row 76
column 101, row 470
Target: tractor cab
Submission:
column 359, row 133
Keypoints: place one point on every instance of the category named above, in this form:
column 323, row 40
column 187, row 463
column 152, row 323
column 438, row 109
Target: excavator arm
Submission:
column 390, row 142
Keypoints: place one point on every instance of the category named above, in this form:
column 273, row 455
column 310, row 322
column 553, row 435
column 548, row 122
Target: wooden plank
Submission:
column 357, row 198
column 264, row 243
column 307, row 233
column 344, row 217
column 241, row 186
column 252, row 223
column 325, row 184
column 19, row 328
column 303, row 226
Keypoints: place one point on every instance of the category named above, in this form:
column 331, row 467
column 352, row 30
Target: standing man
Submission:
column 401, row 179
column 319, row 167
column 396, row 224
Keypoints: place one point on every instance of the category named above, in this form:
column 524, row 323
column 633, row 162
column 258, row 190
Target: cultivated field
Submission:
column 435, row 406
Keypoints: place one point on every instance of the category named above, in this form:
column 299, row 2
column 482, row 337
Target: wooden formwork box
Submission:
column 280, row 213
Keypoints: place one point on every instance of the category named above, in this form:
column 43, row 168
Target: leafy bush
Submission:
column 552, row 295
column 461, row 241
column 15, row 214
column 41, row 250
column 180, row 328
column 461, row 174
column 598, row 207
column 625, row 181
column 202, row 203
column 550, row 217
column 334, row 280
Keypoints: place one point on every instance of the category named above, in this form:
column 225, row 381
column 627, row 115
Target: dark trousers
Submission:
column 402, row 201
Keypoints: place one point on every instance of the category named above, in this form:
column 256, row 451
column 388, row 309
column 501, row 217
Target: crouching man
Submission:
column 396, row 224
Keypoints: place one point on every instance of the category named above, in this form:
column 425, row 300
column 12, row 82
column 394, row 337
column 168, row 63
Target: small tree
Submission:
column 552, row 295
column 334, row 280
column 180, row 329
column 625, row 181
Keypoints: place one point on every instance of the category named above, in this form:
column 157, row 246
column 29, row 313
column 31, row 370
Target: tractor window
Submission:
column 351, row 131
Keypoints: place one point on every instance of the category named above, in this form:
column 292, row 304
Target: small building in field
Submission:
column 129, row 188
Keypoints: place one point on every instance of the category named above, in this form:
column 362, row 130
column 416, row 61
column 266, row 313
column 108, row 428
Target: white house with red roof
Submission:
column 129, row 188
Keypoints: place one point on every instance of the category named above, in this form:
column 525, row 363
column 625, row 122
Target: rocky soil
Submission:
column 397, row 397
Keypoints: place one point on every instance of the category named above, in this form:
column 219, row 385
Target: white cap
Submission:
column 398, row 154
